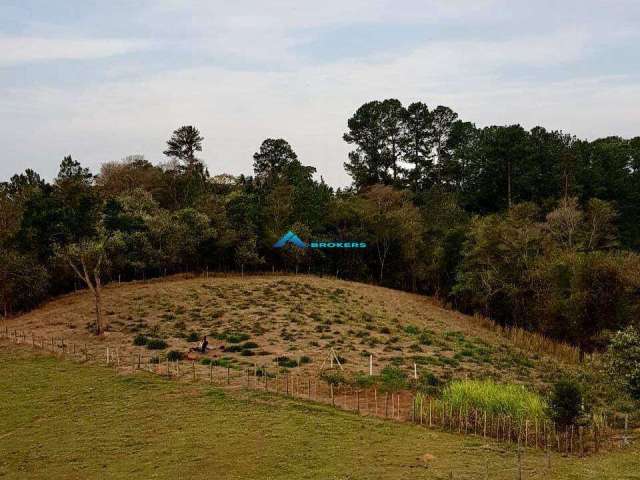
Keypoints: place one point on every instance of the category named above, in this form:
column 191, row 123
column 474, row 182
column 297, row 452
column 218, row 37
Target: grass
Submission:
column 497, row 399
column 71, row 421
column 300, row 316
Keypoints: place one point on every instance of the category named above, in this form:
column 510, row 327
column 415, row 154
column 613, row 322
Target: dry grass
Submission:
column 296, row 316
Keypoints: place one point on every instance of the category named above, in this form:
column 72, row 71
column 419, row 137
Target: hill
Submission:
column 255, row 320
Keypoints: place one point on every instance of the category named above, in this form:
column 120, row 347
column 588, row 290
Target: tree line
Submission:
column 535, row 228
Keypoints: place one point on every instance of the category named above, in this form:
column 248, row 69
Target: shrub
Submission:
column 249, row 345
column 385, row 330
column 566, row 402
column 392, row 379
column 246, row 352
column 156, row 344
column 233, row 348
column 623, row 361
column 174, row 355
column 205, row 361
column 494, row 398
column 428, row 383
column 333, row 377
column 305, row 359
column 411, row 330
column 286, row 362
column 193, row 337
column 140, row 340
column 236, row 337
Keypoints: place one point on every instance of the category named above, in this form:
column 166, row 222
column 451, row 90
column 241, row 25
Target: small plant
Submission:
column 425, row 339
column 205, row 361
column 249, row 345
column 174, row 355
column 140, row 340
column 286, row 362
column 305, row 359
column 411, row 330
column 246, row 352
column 385, row 330
column 193, row 337
column 566, row 402
column 156, row 344
column 333, row 377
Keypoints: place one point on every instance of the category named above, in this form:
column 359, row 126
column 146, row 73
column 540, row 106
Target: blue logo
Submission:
column 291, row 237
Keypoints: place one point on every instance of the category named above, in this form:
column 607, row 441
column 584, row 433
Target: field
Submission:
column 271, row 320
column 64, row 420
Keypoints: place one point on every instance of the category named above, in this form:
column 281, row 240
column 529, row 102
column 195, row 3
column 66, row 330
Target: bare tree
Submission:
column 88, row 258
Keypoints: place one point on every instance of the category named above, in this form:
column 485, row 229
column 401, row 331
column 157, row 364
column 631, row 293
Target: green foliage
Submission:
column 566, row 402
column 156, row 344
column 496, row 399
column 623, row 361
column 174, row 355
column 140, row 340
column 392, row 379
column 193, row 337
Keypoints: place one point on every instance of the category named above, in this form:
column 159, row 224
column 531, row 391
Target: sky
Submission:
column 104, row 80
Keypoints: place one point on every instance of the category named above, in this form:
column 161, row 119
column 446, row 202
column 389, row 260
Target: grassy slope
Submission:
column 63, row 420
column 298, row 315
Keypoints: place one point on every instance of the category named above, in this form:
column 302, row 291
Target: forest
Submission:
column 532, row 228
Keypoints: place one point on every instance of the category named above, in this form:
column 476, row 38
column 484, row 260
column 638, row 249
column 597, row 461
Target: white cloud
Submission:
column 17, row 50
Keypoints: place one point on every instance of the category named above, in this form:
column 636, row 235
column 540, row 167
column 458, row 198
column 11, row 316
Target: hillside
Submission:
column 74, row 421
column 253, row 320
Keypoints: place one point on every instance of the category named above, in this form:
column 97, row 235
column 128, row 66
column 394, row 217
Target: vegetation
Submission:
column 566, row 402
column 147, row 411
column 624, row 361
column 521, row 226
column 497, row 399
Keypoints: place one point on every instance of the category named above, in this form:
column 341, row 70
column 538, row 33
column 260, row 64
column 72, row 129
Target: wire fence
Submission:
column 604, row 432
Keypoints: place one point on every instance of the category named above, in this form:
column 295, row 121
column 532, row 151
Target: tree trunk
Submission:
column 98, row 301
column 509, row 183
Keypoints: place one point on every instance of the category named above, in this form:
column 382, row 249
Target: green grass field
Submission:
column 64, row 420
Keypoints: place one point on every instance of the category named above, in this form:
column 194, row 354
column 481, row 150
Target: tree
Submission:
column 623, row 360
column 246, row 252
column 376, row 129
column 566, row 402
column 88, row 258
column 273, row 159
column 183, row 145
column 23, row 282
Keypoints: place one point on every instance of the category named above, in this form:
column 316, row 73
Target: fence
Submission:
column 402, row 406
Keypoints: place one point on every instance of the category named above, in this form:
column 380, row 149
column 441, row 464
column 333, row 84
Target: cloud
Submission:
column 18, row 50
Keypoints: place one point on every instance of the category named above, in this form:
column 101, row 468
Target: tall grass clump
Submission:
column 495, row 399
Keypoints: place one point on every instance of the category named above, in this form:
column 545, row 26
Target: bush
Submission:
column 250, row 345
column 497, row 399
column 193, row 337
column 623, row 361
column 174, row 355
column 205, row 361
column 140, row 340
column 411, row 330
column 428, row 383
column 236, row 337
column 286, row 362
column 392, row 379
column 305, row 359
column 246, row 352
column 566, row 402
column 333, row 377
column 156, row 344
